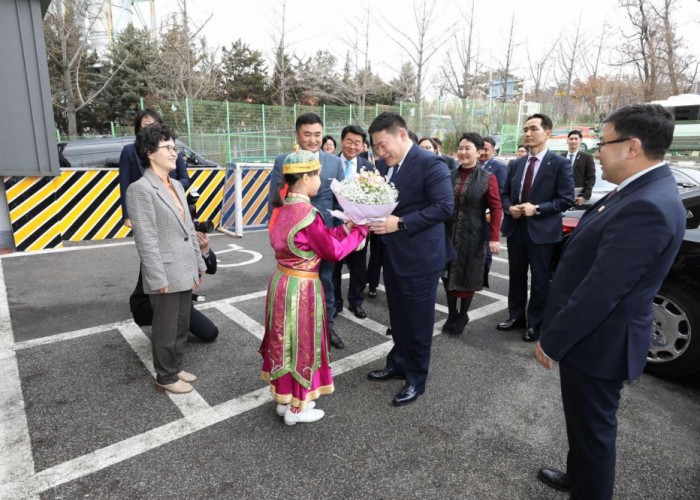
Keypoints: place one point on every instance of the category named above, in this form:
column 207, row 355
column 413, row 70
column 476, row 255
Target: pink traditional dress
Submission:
column 296, row 359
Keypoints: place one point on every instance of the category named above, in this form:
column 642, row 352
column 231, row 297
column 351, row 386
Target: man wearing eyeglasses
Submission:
column 538, row 188
column 597, row 322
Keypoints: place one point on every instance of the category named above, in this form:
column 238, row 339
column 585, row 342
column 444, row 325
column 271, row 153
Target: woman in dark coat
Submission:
column 476, row 191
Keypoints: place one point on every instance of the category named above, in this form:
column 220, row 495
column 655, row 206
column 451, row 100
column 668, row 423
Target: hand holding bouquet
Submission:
column 365, row 197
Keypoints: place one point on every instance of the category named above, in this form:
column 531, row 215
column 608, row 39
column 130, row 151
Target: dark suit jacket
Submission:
column 552, row 189
column 452, row 163
column 382, row 167
column 599, row 312
column 331, row 168
column 361, row 163
column 498, row 169
column 426, row 200
column 131, row 170
column 584, row 172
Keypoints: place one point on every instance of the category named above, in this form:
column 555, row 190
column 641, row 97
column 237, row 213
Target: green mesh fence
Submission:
column 227, row 131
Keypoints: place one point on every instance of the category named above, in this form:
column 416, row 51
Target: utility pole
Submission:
column 188, row 54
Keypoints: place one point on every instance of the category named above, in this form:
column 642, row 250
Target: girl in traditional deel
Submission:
column 295, row 348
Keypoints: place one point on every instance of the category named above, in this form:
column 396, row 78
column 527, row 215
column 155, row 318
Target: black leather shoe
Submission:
column 337, row 311
column 336, row 341
column 408, row 394
column 531, row 334
column 372, row 294
column 511, row 324
column 385, row 374
column 556, row 479
column 358, row 311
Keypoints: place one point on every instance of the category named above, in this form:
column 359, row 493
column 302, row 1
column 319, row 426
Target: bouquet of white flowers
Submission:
column 365, row 197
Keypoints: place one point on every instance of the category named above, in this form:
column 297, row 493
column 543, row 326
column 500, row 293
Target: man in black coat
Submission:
column 352, row 139
column 583, row 167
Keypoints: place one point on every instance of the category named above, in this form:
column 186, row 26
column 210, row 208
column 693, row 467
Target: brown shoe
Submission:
column 186, row 376
column 178, row 387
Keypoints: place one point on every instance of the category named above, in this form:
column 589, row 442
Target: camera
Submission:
column 201, row 226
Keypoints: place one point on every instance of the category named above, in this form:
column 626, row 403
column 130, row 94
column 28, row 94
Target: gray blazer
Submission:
column 166, row 243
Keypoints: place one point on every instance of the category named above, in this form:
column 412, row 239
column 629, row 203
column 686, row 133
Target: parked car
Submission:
column 675, row 333
column 557, row 142
column 104, row 152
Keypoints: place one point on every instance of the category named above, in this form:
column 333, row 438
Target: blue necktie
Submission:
column 348, row 168
column 393, row 174
column 571, row 158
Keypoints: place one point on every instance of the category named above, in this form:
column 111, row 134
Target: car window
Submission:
column 682, row 178
column 190, row 156
column 92, row 159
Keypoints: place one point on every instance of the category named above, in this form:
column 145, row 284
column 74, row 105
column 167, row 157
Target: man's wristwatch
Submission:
column 402, row 226
column 537, row 210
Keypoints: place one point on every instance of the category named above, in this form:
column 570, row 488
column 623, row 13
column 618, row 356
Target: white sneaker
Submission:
column 306, row 416
column 281, row 409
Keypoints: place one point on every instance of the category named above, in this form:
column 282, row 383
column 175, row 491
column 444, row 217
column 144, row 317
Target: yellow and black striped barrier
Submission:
column 82, row 205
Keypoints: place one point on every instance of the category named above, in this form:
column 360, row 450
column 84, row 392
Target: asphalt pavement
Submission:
column 79, row 415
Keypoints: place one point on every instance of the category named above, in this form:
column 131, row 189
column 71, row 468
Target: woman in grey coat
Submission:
column 171, row 262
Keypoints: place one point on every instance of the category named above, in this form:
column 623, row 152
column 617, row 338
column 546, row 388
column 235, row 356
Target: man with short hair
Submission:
column 538, row 188
column 583, row 167
column 452, row 163
column 352, row 139
column 488, row 162
column 309, row 135
column 415, row 251
column 599, row 314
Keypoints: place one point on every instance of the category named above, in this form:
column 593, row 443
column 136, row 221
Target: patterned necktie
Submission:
column 348, row 168
column 571, row 158
column 527, row 184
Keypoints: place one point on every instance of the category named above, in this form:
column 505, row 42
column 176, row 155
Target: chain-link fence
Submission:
column 225, row 132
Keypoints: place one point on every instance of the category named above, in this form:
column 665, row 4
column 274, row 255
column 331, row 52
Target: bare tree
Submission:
column 676, row 66
column 540, row 68
column 568, row 58
column 186, row 66
column 505, row 69
column 642, row 46
column 420, row 46
column 68, row 26
column 460, row 71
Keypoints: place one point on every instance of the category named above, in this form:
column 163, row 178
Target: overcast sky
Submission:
column 326, row 24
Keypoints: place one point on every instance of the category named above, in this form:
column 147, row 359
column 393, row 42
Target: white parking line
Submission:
column 197, row 415
column 16, row 460
column 368, row 323
column 189, row 403
column 241, row 318
column 60, row 337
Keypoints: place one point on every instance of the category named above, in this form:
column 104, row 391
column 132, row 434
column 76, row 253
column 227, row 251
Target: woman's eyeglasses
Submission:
column 171, row 149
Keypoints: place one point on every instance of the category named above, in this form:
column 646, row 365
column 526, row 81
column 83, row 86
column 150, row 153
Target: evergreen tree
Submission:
column 244, row 74
column 120, row 100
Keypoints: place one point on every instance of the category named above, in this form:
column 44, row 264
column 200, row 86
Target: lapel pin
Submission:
column 602, row 207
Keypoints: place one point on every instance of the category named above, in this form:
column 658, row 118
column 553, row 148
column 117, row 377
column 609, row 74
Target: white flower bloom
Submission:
column 368, row 188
